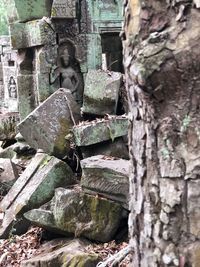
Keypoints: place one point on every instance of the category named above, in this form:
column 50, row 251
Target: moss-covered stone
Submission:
column 34, row 187
column 100, row 130
column 47, row 126
column 81, row 215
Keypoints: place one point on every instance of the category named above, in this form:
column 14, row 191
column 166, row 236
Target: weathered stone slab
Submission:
column 117, row 148
column 8, row 174
column 44, row 88
column 33, row 33
column 107, row 176
column 63, row 9
column 88, row 133
column 34, row 187
column 22, row 10
column 76, row 213
column 47, row 126
column 55, row 253
column 27, row 99
column 101, row 92
column 8, row 125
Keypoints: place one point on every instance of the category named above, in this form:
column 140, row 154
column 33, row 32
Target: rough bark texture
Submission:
column 162, row 66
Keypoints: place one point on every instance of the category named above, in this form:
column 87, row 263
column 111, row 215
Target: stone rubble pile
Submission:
column 66, row 110
column 46, row 192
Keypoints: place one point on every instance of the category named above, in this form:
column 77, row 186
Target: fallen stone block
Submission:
column 101, row 92
column 23, row 10
column 8, row 175
column 8, row 125
column 47, row 126
column 106, row 176
column 33, row 188
column 63, row 9
column 55, row 253
column 33, row 33
column 93, row 132
column 71, row 212
column 118, row 149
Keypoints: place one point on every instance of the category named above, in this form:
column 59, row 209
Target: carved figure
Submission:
column 12, row 88
column 68, row 71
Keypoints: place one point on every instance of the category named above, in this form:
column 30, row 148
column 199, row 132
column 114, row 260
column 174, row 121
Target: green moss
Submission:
column 81, row 260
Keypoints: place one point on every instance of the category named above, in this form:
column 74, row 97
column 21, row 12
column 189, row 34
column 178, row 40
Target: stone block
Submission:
column 33, row 188
column 75, row 213
column 27, row 98
column 8, row 175
column 23, row 10
column 33, row 33
column 8, row 125
column 55, row 253
column 46, row 58
column 101, row 92
column 44, row 88
column 106, row 176
column 63, row 9
column 93, row 132
column 47, row 126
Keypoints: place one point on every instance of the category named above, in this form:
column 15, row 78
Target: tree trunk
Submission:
column 162, row 66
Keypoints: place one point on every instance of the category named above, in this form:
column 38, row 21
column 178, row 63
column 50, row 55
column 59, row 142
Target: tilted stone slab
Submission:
column 88, row 133
column 107, row 176
column 63, row 9
column 47, row 126
column 8, row 125
column 30, row 34
column 55, row 253
column 79, row 214
column 34, row 188
column 101, row 92
column 23, row 10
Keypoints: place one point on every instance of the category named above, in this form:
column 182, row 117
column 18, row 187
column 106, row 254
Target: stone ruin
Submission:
column 63, row 124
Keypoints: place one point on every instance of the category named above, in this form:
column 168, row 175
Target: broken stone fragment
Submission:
column 22, row 10
column 118, row 149
column 8, row 125
column 79, row 214
column 55, row 253
column 101, row 92
column 33, row 188
column 63, row 9
column 47, row 126
column 88, row 133
column 32, row 33
column 8, row 175
column 106, row 176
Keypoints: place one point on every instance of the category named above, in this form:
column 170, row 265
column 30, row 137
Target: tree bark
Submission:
column 161, row 41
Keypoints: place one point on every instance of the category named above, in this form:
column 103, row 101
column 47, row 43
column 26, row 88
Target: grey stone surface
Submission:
column 101, row 92
column 106, row 176
column 34, row 187
column 20, row 10
column 76, row 213
column 55, row 252
column 27, row 97
column 88, row 133
column 8, row 174
column 32, row 33
column 63, row 9
column 47, row 126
